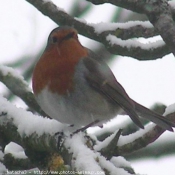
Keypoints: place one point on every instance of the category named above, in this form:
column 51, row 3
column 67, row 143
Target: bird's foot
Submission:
column 85, row 127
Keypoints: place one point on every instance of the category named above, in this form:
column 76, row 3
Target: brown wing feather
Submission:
column 102, row 79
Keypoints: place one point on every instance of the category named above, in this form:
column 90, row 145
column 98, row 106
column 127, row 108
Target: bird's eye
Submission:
column 54, row 39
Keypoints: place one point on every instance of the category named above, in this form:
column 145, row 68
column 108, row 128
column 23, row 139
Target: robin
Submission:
column 73, row 86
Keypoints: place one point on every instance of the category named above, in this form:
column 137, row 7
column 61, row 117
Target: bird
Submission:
column 74, row 86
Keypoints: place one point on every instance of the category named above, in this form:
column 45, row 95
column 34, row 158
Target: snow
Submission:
column 131, row 137
column 84, row 158
column 16, row 150
column 158, row 166
column 88, row 161
column 123, row 139
column 111, row 168
column 120, row 162
column 5, row 70
column 8, row 71
column 28, row 123
column 80, row 20
column 102, row 27
column 118, row 122
column 172, row 4
column 134, row 43
column 50, row 1
column 170, row 109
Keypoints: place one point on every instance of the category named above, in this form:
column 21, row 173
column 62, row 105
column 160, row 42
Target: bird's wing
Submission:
column 101, row 78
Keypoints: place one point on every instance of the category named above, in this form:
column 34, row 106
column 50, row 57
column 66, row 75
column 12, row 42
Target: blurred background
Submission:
column 23, row 35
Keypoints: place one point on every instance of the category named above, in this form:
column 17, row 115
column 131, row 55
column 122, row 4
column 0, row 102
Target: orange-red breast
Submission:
column 72, row 86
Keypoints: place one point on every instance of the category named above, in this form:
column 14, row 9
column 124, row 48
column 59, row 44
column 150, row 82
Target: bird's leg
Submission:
column 85, row 127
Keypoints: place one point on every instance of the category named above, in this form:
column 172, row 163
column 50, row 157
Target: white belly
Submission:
column 80, row 108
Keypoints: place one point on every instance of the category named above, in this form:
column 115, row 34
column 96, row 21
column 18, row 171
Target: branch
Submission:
column 145, row 139
column 133, row 142
column 39, row 143
column 159, row 13
column 140, row 51
column 136, row 31
column 25, row 129
column 12, row 163
column 62, row 18
column 159, row 148
column 133, row 5
column 19, row 87
column 110, row 148
column 127, row 30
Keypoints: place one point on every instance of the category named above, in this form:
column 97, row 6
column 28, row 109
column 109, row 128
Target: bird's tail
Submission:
column 154, row 117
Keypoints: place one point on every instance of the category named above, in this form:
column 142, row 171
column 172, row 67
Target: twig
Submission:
column 144, row 140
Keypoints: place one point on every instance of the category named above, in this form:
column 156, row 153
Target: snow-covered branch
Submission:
column 18, row 125
column 19, row 87
column 159, row 13
column 34, row 133
column 131, row 143
column 161, row 17
column 37, row 136
column 133, row 5
column 89, row 30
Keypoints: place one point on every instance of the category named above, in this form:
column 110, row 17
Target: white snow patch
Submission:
column 82, row 20
column 85, row 159
column 131, row 137
column 102, row 27
column 113, row 170
column 172, row 4
column 16, row 150
column 170, row 109
column 120, row 162
column 5, row 70
column 28, row 123
column 89, row 161
column 134, row 43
